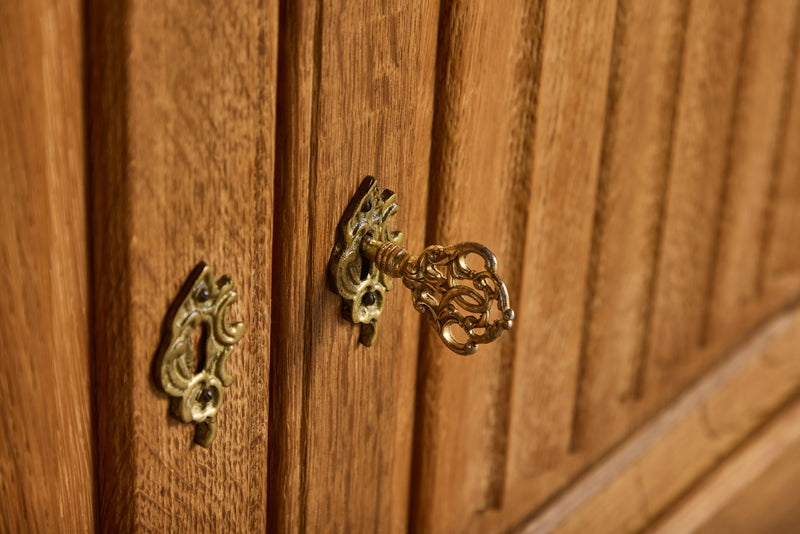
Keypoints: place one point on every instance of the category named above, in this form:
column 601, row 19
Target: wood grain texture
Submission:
column 570, row 121
column 569, row 482
column 662, row 461
column 779, row 253
column 753, row 491
column 702, row 112
column 631, row 202
column 480, row 184
column 611, row 154
column 615, row 281
column 46, row 441
column 768, row 504
column 710, row 84
column 634, row 168
column 356, row 93
column 757, row 140
column 181, row 147
column 554, row 107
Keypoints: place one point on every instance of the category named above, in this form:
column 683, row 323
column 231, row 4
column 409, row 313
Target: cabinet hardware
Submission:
column 197, row 395
column 446, row 287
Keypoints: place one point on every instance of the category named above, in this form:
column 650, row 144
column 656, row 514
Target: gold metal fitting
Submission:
column 197, row 396
column 444, row 286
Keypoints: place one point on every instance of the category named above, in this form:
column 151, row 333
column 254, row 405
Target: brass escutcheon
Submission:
column 197, row 396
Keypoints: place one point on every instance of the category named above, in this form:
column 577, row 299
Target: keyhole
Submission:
column 199, row 338
column 366, row 267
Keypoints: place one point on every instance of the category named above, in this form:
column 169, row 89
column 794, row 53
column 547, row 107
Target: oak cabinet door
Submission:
column 181, row 114
column 634, row 166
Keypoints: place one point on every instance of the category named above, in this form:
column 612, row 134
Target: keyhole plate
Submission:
column 197, row 393
column 361, row 286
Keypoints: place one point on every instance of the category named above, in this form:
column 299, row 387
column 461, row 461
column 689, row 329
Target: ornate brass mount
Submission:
column 197, row 396
column 444, row 287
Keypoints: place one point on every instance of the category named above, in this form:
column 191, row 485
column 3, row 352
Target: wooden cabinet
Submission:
column 635, row 167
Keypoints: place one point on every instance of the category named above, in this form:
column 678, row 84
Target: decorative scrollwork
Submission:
column 449, row 292
column 197, row 396
column 356, row 280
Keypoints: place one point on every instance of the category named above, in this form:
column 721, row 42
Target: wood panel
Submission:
column 617, row 332
column 356, row 94
column 634, row 169
column 661, row 462
column 46, row 442
column 757, row 140
column 708, row 91
column 753, row 491
column 570, row 121
column 480, row 174
column 472, row 446
column 660, row 129
column 619, row 257
column 629, row 213
column 780, row 255
column 181, row 146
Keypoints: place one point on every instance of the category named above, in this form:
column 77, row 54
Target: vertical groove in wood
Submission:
column 601, row 201
column 713, row 53
column 482, row 131
column 311, row 206
column 640, row 364
column 528, row 71
column 261, row 262
column 632, row 176
column 107, row 50
column 789, row 104
column 297, row 85
column 722, row 206
column 750, row 169
column 46, row 436
column 570, row 117
column 181, row 150
column 424, row 454
column 783, row 260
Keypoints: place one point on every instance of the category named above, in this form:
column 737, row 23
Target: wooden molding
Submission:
column 663, row 461
column 779, row 440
